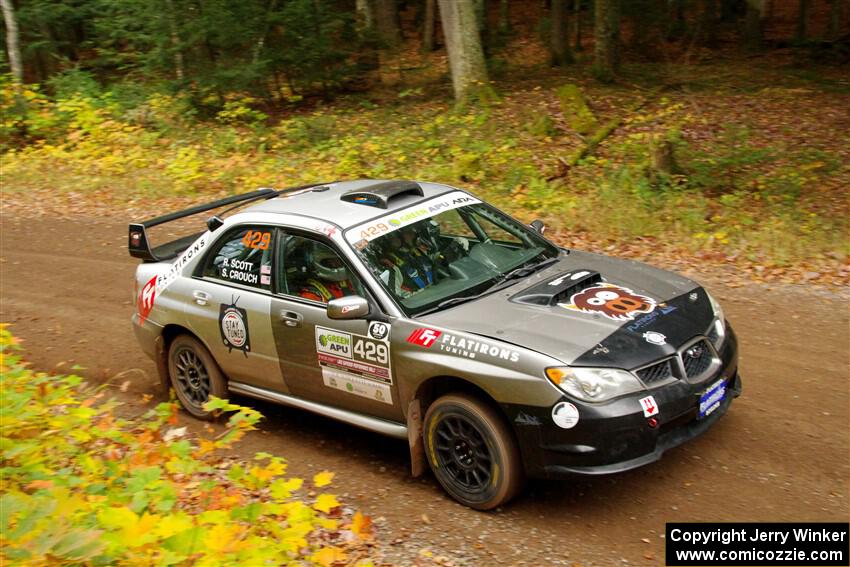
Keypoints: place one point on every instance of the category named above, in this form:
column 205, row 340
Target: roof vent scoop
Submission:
column 379, row 195
column 558, row 289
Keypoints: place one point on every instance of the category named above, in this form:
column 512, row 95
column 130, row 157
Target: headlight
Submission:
column 717, row 332
column 715, row 306
column 593, row 384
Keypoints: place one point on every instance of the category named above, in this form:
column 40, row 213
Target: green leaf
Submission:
column 186, row 542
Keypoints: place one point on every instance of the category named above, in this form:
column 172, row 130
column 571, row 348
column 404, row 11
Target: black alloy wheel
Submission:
column 461, row 449
column 472, row 451
column 194, row 375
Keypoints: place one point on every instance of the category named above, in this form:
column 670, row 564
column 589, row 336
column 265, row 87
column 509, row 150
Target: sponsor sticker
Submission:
column 233, row 324
column 523, row 418
column 166, row 279
column 146, row 299
column 565, row 415
column 601, row 349
column 644, row 320
column 353, row 354
column 712, row 398
column 424, row 337
column 649, row 406
column 461, row 346
column 612, row 301
column 655, row 338
column 572, row 277
column 357, row 386
column 393, row 221
column 379, row 331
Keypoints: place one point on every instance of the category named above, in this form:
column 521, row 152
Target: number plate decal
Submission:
column 712, row 398
column 340, row 353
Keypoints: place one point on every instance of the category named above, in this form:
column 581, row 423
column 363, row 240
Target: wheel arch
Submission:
column 163, row 342
column 426, row 393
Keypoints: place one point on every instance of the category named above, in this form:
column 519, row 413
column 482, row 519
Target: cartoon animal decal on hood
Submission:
column 612, row 301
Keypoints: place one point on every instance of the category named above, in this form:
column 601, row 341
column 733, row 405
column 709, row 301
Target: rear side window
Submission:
column 243, row 256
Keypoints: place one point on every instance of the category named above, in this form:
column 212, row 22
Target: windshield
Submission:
column 453, row 246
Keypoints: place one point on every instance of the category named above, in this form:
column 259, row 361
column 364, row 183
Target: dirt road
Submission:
column 781, row 453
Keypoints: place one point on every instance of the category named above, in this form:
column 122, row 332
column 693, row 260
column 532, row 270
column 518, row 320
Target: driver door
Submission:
column 333, row 362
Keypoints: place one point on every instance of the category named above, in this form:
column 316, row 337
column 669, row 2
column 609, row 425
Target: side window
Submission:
column 313, row 270
column 243, row 256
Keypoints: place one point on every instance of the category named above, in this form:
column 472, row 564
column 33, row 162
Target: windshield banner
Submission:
column 384, row 225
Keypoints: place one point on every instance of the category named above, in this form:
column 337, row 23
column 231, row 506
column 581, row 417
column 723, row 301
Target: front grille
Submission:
column 657, row 372
column 697, row 358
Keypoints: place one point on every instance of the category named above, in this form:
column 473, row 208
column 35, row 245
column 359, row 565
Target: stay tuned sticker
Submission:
column 233, row 324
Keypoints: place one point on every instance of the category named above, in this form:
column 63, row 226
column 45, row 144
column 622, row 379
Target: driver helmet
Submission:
column 327, row 265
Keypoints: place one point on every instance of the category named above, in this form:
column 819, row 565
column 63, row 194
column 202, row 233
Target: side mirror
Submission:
column 214, row 222
column 538, row 226
column 350, row 307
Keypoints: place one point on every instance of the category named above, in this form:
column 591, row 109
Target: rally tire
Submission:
column 194, row 375
column 472, row 451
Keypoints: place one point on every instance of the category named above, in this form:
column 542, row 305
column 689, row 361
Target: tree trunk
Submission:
column 676, row 24
column 803, row 19
column 386, row 22
column 708, row 22
column 179, row 67
column 754, row 32
column 504, row 16
column 365, row 15
column 261, row 40
column 607, row 37
column 428, row 26
column 559, row 42
column 575, row 25
column 463, row 43
column 663, row 158
column 835, row 14
column 12, row 42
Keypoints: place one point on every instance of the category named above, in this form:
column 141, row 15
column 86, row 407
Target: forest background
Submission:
column 709, row 136
column 687, row 131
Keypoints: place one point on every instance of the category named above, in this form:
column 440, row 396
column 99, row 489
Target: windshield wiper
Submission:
column 526, row 270
column 451, row 301
column 516, row 273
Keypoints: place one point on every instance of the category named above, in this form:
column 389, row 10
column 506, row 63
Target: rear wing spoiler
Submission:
column 138, row 243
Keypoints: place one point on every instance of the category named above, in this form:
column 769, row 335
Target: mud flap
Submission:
column 162, row 363
column 414, row 438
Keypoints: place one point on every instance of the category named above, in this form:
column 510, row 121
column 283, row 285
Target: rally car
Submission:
column 421, row 312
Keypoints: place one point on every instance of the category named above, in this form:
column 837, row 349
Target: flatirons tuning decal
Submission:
column 233, row 324
column 146, row 299
column 612, row 301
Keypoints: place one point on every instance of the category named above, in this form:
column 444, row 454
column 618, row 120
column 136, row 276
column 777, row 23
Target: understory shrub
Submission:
column 81, row 485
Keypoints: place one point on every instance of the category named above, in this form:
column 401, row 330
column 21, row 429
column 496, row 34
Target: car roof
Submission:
column 328, row 205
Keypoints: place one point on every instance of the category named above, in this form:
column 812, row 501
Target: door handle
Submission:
column 291, row 318
column 201, row 297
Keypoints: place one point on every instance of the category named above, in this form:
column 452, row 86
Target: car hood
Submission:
column 549, row 312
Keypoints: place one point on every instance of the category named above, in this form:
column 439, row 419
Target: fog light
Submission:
column 565, row 415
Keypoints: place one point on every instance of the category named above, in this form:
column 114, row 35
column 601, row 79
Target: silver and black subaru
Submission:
column 421, row 312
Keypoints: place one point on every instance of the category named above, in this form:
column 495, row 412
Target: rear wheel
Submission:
column 194, row 375
column 472, row 451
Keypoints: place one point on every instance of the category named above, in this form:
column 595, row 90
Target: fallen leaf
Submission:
column 323, row 478
column 361, row 525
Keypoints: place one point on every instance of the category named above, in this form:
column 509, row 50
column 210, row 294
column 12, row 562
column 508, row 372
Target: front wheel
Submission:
column 194, row 375
column 472, row 452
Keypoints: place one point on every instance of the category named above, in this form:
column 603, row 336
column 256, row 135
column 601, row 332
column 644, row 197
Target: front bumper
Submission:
column 615, row 436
